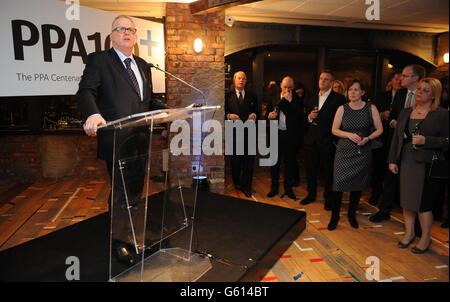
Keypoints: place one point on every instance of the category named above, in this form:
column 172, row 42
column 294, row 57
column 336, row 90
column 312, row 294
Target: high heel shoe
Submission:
column 416, row 250
column 404, row 246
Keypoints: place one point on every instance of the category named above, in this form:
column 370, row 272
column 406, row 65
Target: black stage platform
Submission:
column 245, row 239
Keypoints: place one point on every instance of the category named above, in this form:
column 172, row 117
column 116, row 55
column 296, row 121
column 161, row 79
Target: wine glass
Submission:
column 415, row 132
column 316, row 108
column 358, row 151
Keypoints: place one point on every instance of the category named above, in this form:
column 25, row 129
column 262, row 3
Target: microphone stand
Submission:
column 182, row 81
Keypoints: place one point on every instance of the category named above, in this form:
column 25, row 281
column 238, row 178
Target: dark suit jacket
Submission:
column 435, row 129
column 106, row 88
column 250, row 105
column 398, row 104
column 321, row 134
column 294, row 116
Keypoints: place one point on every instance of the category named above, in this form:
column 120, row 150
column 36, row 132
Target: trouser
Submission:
column 242, row 170
column 287, row 151
column 317, row 156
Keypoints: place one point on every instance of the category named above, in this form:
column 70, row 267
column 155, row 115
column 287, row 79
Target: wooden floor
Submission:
column 30, row 211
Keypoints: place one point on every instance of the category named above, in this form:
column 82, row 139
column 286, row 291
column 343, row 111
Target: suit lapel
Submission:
column 118, row 65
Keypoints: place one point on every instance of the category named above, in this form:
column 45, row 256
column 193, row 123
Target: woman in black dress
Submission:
column 352, row 124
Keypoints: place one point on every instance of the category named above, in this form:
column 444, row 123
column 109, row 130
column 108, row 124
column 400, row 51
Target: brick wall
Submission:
column 31, row 158
column 204, row 70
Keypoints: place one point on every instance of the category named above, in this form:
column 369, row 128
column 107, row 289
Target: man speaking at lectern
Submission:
column 116, row 84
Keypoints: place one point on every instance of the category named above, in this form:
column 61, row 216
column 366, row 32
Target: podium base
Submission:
column 167, row 265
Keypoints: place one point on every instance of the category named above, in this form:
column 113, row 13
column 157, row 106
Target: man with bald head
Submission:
column 287, row 108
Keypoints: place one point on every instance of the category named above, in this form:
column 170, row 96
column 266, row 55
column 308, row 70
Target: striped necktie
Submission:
column 127, row 62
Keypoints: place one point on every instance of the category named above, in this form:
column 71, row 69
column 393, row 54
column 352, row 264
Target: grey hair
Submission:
column 121, row 17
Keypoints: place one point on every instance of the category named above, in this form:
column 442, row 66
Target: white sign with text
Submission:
column 45, row 44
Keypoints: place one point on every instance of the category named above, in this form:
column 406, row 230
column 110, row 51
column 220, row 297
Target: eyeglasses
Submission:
column 407, row 76
column 130, row 30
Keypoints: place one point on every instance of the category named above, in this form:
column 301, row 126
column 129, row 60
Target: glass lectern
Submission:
column 148, row 205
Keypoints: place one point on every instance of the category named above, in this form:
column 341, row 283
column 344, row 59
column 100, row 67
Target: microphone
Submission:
column 182, row 81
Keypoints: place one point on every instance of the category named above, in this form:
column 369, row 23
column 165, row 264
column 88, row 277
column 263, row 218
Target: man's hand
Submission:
column 313, row 114
column 393, row 168
column 394, row 124
column 288, row 95
column 252, row 116
column 92, row 123
column 233, row 117
column 272, row 115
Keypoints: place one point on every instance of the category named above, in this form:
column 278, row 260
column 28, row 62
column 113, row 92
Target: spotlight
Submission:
column 201, row 181
column 229, row 21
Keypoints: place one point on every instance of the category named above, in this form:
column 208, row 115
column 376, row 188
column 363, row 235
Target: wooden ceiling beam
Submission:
column 209, row 6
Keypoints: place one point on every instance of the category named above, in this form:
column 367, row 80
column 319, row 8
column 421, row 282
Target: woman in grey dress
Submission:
column 421, row 130
column 352, row 124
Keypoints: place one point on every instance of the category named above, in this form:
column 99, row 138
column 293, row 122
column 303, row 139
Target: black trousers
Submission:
column 317, row 156
column 287, row 152
column 242, row 170
column 378, row 172
column 390, row 192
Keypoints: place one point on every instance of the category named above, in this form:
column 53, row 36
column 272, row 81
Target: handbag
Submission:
column 438, row 168
column 377, row 142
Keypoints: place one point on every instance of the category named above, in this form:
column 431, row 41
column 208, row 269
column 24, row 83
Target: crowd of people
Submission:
column 387, row 144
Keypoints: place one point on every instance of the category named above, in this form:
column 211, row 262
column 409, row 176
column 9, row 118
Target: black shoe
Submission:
column 353, row 222
column 379, row 216
column 416, row 250
column 308, row 199
column 445, row 224
column 272, row 193
column 247, row 192
column 290, row 194
column 401, row 245
column 333, row 222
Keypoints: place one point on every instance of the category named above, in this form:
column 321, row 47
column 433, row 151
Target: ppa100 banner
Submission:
column 45, row 44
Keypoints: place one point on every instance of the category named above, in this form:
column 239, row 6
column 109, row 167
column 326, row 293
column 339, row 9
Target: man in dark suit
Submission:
column 319, row 140
column 379, row 155
column 241, row 104
column 289, row 113
column 404, row 98
column 115, row 84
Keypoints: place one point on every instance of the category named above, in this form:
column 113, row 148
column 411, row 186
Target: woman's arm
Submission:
column 378, row 126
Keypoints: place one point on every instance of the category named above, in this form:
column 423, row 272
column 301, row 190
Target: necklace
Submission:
column 419, row 112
